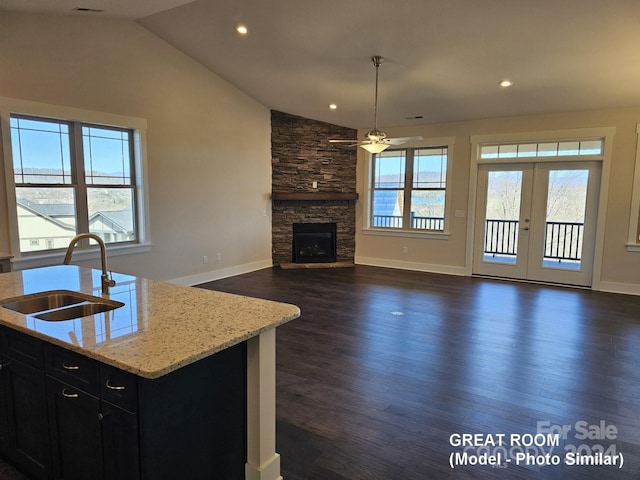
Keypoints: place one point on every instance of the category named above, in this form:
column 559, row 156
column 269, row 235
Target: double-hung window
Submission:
column 408, row 189
column 72, row 177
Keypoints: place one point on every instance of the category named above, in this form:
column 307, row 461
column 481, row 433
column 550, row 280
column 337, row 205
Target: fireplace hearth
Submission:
column 314, row 242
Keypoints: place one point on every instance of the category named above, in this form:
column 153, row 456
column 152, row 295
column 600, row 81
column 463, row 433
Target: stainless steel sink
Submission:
column 42, row 301
column 57, row 305
column 78, row 311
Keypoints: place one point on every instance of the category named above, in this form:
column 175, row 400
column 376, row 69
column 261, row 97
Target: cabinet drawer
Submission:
column 23, row 348
column 72, row 368
column 119, row 387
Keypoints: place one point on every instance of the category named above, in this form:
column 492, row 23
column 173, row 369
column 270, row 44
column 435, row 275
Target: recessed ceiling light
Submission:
column 506, row 83
column 242, row 29
column 333, row 106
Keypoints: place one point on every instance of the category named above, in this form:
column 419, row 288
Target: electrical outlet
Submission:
column 205, row 259
column 314, row 185
column 219, row 256
column 405, row 250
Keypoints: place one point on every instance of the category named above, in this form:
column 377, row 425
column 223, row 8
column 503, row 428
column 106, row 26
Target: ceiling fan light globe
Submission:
column 375, row 147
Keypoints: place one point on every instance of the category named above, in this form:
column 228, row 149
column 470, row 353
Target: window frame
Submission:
column 368, row 229
column 138, row 126
column 633, row 236
column 606, row 133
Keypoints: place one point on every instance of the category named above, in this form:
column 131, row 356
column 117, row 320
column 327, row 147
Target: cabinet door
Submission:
column 25, row 397
column 120, row 443
column 4, row 425
column 76, row 435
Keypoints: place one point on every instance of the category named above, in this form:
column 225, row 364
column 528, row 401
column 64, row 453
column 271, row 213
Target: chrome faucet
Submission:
column 106, row 281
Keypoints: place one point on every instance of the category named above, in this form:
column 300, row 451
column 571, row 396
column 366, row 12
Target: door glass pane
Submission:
column 564, row 228
column 504, row 190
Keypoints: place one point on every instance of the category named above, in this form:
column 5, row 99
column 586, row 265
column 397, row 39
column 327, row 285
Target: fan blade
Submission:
column 400, row 140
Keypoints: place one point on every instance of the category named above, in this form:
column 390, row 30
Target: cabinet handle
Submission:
column 68, row 366
column 114, row 387
column 68, row 395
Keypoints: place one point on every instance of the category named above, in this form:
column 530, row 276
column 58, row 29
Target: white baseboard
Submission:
column 222, row 273
column 614, row 287
column 419, row 267
column 611, row 287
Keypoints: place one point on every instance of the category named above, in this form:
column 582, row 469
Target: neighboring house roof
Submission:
column 45, row 212
column 66, row 209
column 120, row 221
column 386, row 202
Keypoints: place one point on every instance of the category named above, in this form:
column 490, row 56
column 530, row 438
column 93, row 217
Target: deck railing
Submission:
column 563, row 240
column 422, row 223
column 501, row 237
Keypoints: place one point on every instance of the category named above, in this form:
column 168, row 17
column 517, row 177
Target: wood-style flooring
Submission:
column 384, row 366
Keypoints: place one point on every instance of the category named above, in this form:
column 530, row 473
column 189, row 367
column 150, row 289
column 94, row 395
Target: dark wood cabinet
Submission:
column 4, row 420
column 91, row 437
column 76, row 432
column 120, row 443
column 25, row 437
column 74, row 418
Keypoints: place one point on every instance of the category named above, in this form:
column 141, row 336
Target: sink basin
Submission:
column 39, row 302
column 57, row 305
column 78, row 311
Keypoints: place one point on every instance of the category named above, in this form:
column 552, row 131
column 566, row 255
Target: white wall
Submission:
column 620, row 267
column 208, row 144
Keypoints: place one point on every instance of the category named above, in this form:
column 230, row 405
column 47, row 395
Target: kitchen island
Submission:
column 178, row 349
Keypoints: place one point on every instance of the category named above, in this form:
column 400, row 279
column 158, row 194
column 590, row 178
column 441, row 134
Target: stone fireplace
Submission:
column 313, row 182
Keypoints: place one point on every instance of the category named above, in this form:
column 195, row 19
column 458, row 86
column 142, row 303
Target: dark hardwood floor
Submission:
column 384, row 366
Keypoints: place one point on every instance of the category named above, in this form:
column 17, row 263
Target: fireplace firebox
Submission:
column 314, row 242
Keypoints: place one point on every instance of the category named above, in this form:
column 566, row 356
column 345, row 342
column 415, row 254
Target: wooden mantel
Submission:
column 310, row 196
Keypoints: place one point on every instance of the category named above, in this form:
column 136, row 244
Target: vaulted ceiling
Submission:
column 444, row 59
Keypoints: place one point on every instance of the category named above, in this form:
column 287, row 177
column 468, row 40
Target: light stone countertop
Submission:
column 161, row 327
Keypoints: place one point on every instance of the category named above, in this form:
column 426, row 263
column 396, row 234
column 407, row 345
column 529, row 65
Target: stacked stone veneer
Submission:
column 301, row 154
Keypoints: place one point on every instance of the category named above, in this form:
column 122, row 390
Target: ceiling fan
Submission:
column 376, row 140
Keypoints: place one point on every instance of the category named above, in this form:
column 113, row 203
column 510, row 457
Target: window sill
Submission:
column 633, row 247
column 48, row 259
column 406, row 233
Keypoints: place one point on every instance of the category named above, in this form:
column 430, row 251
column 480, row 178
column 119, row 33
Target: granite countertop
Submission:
column 161, row 327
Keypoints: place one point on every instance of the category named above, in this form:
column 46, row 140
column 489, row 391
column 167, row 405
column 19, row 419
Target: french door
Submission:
column 536, row 221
